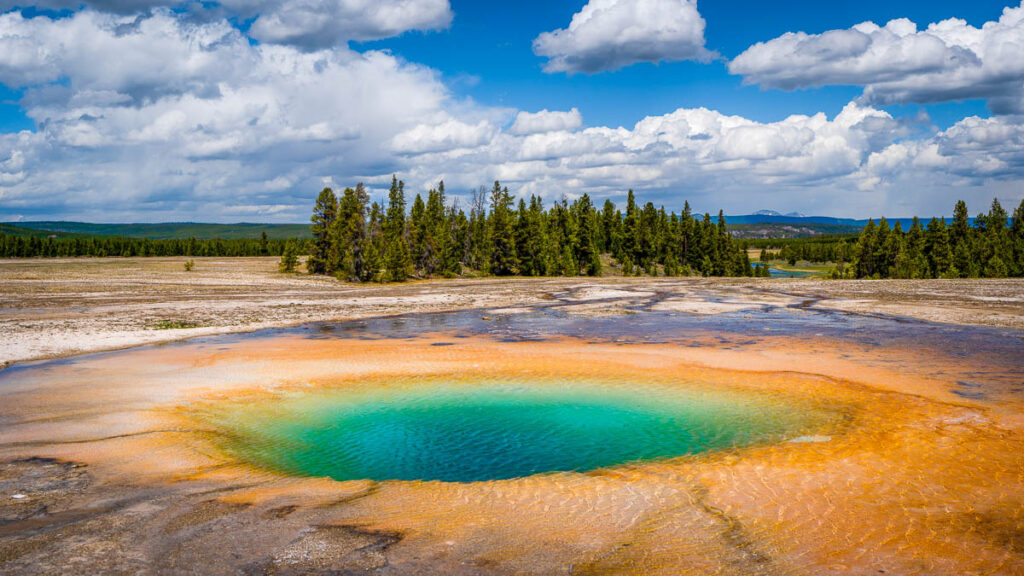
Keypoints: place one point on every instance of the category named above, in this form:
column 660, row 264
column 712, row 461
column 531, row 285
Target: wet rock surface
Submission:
column 68, row 524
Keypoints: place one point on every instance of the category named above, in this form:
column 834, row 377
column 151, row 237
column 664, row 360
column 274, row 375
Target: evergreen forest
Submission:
column 358, row 240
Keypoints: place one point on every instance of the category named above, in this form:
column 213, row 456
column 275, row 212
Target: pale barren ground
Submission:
column 51, row 308
column 107, row 466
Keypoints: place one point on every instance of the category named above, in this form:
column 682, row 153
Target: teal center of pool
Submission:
column 492, row 430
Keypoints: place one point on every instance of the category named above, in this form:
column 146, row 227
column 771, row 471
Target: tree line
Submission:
column 359, row 240
column 825, row 248
column 990, row 247
column 12, row 246
column 362, row 241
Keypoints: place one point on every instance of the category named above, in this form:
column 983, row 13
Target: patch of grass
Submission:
column 175, row 325
column 803, row 266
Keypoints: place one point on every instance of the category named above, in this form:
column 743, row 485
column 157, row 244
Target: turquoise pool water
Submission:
column 463, row 432
column 776, row 273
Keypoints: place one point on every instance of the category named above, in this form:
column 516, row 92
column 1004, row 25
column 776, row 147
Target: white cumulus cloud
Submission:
column 449, row 135
column 611, row 34
column 546, row 121
column 897, row 63
column 811, row 162
column 171, row 117
column 309, row 24
column 164, row 117
column 320, row 23
column 115, row 6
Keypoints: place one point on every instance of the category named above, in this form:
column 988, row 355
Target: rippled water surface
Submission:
column 440, row 430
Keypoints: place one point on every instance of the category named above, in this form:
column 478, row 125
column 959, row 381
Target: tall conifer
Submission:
column 324, row 213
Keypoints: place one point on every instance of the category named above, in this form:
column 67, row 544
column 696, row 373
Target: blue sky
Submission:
column 155, row 110
column 487, row 55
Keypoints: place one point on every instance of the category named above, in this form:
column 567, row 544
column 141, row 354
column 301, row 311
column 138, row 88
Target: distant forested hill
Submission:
column 742, row 226
column 794, row 230
column 832, row 225
column 168, row 230
column 753, row 226
column 26, row 232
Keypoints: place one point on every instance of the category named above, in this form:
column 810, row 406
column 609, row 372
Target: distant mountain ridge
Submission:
column 777, row 213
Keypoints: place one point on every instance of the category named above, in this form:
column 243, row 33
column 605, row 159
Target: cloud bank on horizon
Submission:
column 150, row 111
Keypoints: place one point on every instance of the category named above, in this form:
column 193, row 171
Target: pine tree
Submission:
column 627, row 266
column 290, row 257
column 996, row 268
column 418, row 249
column 723, row 266
column 892, row 246
column 961, row 226
column 998, row 243
column 324, row 213
column 531, row 238
column 375, row 246
column 961, row 240
column 964, row 264
column 462, row 229
column 1017, row 239
column 567, row 264
column 748, row 270
column 646, row 236
column 936, row 248
column 550, row 237
column 609, row 216
column 885, row 249
column 455, row 228
column 396, row 257
column 864, row 266
column 686, row 226
column 664, row 235
column 707, row 249
column 502, row 226
column 586, row 253
column 339, row 260
column 631, row 230
column 671, row 265
column 356, row 210
column 913, row 247
column 437, row 234
column 903, row 265
column 348, row 235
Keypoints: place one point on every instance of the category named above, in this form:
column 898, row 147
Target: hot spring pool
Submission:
column 465, row 432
